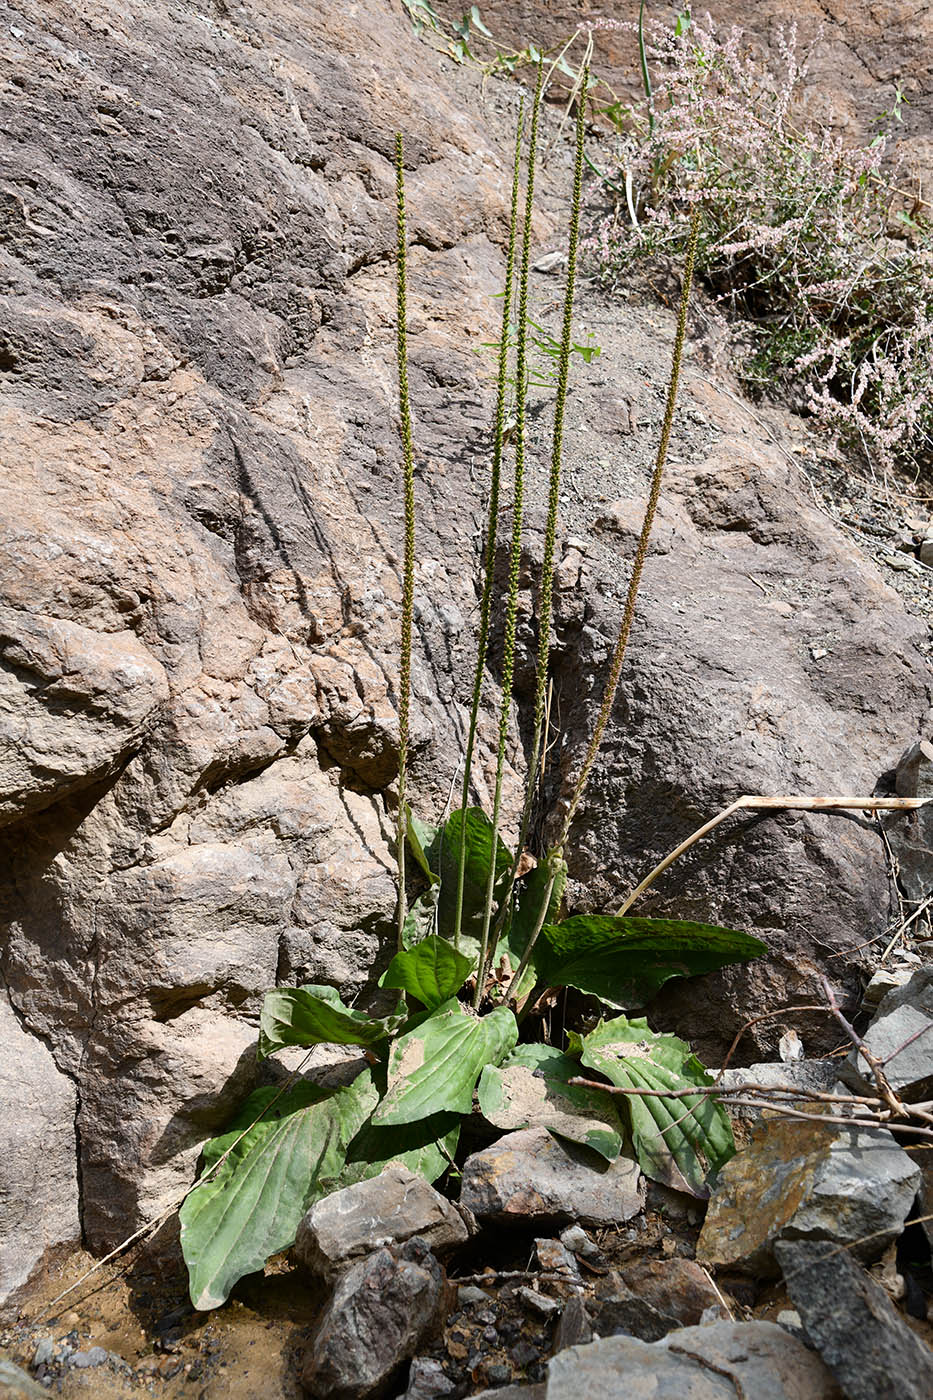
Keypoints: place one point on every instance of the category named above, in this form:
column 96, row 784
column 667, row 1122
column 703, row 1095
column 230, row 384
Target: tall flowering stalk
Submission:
column 511, row 610
column 408, row 574
column 555, row 855
column 545, row 605
column 493, row 515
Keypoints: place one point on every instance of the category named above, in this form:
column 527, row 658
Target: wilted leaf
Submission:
column 315, row 1015
column 530, row 1089
column 679, row 1141
column 422, row 837
column 624, row 961
column 251, row 1209
column 434, row 1067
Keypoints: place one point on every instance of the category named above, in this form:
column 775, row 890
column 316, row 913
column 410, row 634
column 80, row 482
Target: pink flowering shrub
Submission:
column 812, row 244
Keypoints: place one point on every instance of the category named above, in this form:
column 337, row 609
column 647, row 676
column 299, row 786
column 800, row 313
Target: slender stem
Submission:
column 529, row 946
column 775, row 804
column 408, row 579
column 492, row 518
column 508, row 650
column 645, row 74
column 550, row 530
column 641, row 552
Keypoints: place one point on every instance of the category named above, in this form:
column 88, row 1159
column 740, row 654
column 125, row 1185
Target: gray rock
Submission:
column 722, row 1362
column 553, row 1256
column 387, row 1209
column 914, row 774
column 852, row 1323
column 38, row 1178
column 578, row 1242
column 45, row 1350
column 426, row 1380
column 468, row 1294
column 853, row 1186
column 819, row 1075
column 15, row 1384
column 84, row 1360
column 382, row 1310
column 575, row 1327
column 901, row 1034
column 651, row 1297
column 513, row 1392
column 532, row 1176
column 882, row 981
column 540, row 1303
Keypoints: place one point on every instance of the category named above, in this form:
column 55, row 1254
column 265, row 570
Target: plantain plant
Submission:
column 480, row 942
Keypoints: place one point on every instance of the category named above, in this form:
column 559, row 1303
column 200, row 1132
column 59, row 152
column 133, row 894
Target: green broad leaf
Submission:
column 421, row 918
column 422, row 838
column 624, row 961
column 434, row 1067
column 678, row 1141
column 426, row 1147
column 530, row 1089
column 529, row 897
column 477, row 21
column 433, row 971
column 445, row 857
column 315, row 1015
column 252, row 1207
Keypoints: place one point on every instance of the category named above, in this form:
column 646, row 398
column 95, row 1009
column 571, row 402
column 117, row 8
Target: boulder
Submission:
column 724, row 1361
column 852, row 1186
column 531, row 1176
column 851, row 1322
column 383, row 1309
column 387, row 1209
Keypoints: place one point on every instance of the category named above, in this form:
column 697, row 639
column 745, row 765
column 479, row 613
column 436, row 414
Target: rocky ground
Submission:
column 807, row 1274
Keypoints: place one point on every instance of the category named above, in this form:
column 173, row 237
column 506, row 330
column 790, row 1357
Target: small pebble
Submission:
column 523, row 1354
column 44, row 1352
column 789, row 1319
column 468, row 1294
column 578, row 1241
column 539, row 1302
column 95, row 1357
column 498, row 1374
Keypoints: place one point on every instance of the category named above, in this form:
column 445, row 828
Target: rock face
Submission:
column 38, row 1180
column 531, row 1176
column 388, row 1209
column 199, row 578
column 795, row 1180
